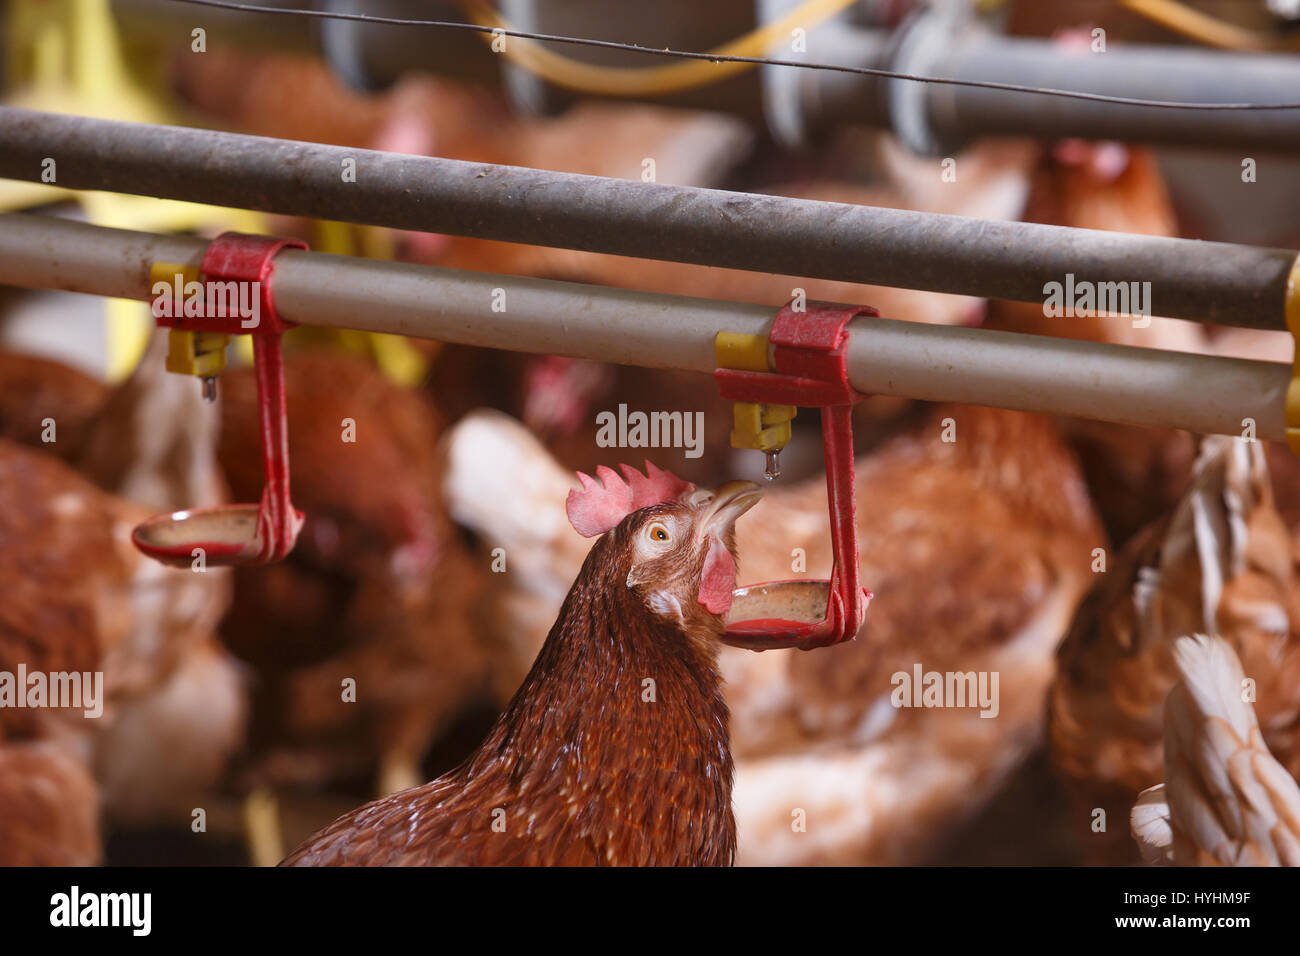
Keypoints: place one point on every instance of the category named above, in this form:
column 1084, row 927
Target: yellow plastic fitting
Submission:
column 196, row 353
column 755, row 425
column 168, row 271
column 202, row 354
column 761, row 427
column 740, row 351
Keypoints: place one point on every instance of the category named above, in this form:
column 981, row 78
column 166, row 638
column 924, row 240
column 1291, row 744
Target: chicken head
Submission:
column 679, row 540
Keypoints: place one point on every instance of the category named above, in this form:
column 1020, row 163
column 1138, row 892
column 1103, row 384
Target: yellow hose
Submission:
column 655, row 80
column 1204, row 28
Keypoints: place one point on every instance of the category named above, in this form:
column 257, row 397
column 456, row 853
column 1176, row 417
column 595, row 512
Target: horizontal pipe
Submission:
column 1188, row 74
column 1207, row 394
column 941, row 118
column 1202, row 281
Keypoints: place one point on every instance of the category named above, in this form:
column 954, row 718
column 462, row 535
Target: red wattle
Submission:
column 718, row 579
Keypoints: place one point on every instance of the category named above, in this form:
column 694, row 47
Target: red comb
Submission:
column 601, row 505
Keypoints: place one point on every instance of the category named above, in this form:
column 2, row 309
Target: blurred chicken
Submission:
column 977, row 550
column 49, row 807
column 1259, row 345
column 46, row 404
column 300, row 98
column 375, row 593
column 154, row 442
column 1112, row 187
column 1132, row 472
column 1225, row 800
column 78, row 597
column 69, row 572
column 1220, row 563
column 154, row 439
column 584, row 768
column 1283, row 466
column 151, row 441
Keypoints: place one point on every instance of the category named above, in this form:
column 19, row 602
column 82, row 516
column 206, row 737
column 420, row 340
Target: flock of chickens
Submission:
column 436, row 575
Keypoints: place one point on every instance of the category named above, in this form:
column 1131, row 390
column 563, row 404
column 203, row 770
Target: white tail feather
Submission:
column 1206, row 537
column 1225, row 799
column 1149, row 822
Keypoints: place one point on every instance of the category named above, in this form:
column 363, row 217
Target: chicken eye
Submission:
column 658, row 532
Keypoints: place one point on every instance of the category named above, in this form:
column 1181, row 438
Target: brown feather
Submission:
column 580, row 769
column 48, row 807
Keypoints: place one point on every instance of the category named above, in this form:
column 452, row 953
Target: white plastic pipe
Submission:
column 1206, row 394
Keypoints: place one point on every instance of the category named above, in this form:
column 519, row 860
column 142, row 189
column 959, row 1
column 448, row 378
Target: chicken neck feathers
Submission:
column 614, row 751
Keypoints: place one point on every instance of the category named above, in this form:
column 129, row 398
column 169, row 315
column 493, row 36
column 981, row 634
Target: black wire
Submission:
column 760, row 61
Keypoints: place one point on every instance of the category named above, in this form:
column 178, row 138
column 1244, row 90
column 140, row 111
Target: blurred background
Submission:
column 224, row 689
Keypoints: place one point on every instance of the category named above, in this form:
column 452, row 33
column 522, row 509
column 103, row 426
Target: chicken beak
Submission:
column 730, row 502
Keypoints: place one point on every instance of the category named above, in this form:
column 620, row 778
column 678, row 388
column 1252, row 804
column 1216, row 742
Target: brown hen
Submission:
column 614, row 751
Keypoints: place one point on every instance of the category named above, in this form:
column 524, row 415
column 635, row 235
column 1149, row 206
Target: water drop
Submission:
column 773, row 466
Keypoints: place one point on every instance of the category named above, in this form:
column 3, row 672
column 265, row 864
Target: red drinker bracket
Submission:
column 808, row 357
column 238, row 534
